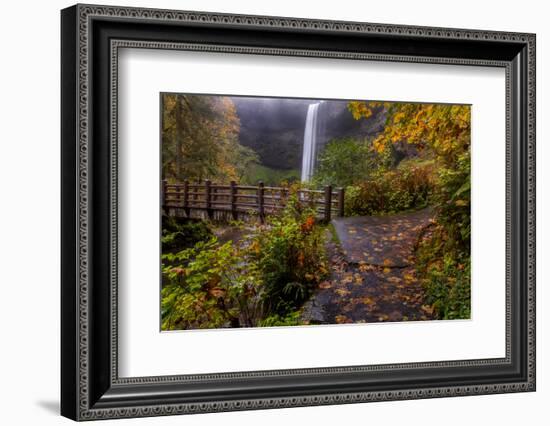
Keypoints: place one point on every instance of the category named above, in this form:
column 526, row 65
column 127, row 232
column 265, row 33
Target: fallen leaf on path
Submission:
column 348, row 278
column 365, row 268
column 367, row 300
column 428, row 309
column 341, row 319
column 325, row 285
column 342, row 292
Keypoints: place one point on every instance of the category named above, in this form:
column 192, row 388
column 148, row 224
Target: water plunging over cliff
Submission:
column 310, row 142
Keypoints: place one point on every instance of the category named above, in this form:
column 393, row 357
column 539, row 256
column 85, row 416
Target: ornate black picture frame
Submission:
column 91, row 37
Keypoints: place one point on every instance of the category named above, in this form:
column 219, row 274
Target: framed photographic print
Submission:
column 263, row 212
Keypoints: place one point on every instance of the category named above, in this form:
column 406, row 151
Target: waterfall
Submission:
column 310, row 142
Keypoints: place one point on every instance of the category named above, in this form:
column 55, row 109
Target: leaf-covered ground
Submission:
column 372, row 272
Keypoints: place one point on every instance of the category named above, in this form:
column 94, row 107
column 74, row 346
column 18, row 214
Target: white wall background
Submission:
column 29, row 222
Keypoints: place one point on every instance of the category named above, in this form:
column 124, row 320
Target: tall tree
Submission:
column 200, row 138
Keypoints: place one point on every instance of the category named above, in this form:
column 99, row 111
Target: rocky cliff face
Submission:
column 274, row 127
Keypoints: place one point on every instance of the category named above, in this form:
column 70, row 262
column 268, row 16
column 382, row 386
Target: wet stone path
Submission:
column 372, row 272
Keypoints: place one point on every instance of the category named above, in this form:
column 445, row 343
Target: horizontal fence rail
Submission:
column 235, row 200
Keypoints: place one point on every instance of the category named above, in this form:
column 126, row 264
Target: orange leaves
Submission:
column 307, row 226
column 217, row 292
column 342, row 319
column 179, row 271
column 428, row 309
column 301, row 258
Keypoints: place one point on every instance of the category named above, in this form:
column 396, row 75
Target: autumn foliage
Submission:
column 261, row 281
column 442, row 132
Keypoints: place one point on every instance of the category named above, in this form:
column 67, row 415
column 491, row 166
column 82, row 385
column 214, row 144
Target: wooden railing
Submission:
column 235, row 200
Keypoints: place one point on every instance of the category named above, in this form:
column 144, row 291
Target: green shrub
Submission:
column 443, row 267
column 180, row 233
column 262, row 282
column 443, row 259
column 211, row 286
column 453, row 201
column 276, row 320
column 343, row 162
column 291, row 258
column 391, row 191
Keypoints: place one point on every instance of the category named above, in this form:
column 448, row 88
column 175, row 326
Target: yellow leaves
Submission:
column 359, row 109
column 387, row 262
column 461, row 203
column 428, row 309
column 386, row 270
column 348, row 278
column 367, row 300
column 365, row 267
column 255, row 247
column 342, row 292
column 408, row 277
column 443, row 127
column 379, row 144
column 398, row 117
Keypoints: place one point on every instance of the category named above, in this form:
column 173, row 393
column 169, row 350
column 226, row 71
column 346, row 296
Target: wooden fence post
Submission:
column 195, row 190
column 163, row 196
column 341, row 202
column 261, row 201
column 233, row 199
column 207, row 195
column 328, row 202
column 186, row 197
